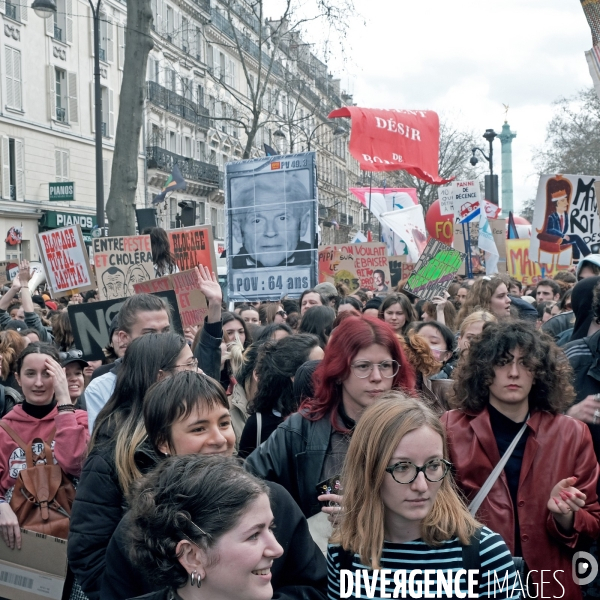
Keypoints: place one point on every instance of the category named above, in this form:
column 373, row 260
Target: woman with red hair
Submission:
column 362, row 361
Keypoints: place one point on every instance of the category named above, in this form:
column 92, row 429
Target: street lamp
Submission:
column 45, row 9
column 489, row 135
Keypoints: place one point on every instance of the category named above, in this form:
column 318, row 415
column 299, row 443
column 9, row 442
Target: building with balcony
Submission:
column 46, row 115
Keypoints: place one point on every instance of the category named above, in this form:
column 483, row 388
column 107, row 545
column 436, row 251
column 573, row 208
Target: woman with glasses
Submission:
column 362, row 361
column 271, row 312
column 119, row 453
column 401, row 512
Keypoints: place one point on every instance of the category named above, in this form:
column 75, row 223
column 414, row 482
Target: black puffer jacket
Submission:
column 299, row 574
column 99, row 506
column 293, row 456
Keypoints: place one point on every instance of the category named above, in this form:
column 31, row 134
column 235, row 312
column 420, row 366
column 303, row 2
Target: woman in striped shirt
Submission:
column 405, row 531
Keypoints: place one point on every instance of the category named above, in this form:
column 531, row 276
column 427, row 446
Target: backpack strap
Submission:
column 14, row 435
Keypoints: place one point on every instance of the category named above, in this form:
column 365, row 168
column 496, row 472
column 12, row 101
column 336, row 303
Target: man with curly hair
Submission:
column 544, row 503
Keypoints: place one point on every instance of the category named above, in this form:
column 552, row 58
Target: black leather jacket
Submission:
column 293, row 456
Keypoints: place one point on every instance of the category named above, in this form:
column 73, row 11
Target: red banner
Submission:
column 390, row 140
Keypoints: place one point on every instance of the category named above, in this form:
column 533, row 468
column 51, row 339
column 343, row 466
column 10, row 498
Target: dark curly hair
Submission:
column 193, row 497
column 551, row 391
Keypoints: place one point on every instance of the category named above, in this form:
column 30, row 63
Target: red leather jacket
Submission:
column 557, row 447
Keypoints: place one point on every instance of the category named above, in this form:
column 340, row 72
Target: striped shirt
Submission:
column 494, row 556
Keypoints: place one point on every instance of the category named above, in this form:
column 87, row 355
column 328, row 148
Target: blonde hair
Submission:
column 476, row 317
column 373, row 443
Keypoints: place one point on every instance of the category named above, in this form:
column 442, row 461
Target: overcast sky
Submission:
column 465, row 58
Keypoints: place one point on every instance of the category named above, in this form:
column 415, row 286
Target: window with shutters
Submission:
column 108, row 115
column 12, row 159
column 201, row 216
column 198, row 44
column 213, row 221
column 60, row 21
column 15, row 10
column 220, row 223
column 62, row 165
column 185, row 34
column 14, row 84
column 106, row 38
column 187, row 146
column 170, row 25
column 222, row 68
column 172, row 142
column 60, row 95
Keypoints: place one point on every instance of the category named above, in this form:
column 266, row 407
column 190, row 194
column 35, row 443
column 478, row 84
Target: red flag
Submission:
column 390, row 140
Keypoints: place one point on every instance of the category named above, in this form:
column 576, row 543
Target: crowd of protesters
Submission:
column 278, row 444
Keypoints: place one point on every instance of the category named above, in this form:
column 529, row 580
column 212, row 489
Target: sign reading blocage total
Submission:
column 271, row 227
column 61, row 190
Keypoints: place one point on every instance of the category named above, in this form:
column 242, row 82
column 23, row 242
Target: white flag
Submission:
column 488, row 245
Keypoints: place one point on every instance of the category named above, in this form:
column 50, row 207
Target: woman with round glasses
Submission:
column 362, row 361
column 401, row 513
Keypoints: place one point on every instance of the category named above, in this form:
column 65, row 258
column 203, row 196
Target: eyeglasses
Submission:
column 190, row 366
column 281, row 313
column 363, row 368
column 433, row 470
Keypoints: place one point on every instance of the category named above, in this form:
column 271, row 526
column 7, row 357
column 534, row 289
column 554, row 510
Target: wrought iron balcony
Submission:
column 58, row 33
column 178, row 105
column 61, row 114
column 102, row 54
column 158, row 158
column 104, row 129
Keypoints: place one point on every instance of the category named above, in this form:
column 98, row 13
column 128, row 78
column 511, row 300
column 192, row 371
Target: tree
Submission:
column 267, row 49
column 455, row 152
column 120, row 207
column 572, row 137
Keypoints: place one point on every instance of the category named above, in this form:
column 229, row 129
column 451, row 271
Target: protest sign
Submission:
column 520, row 266
column 193, row 246
column 271, row 207
column 400, row 269
column 4, row 279
column 120, row 263
column 356, row 266
column 65, row 260
column 91, row 321
column 190, row 300
column 434, row 271
column 467, row 200
column 566, row 225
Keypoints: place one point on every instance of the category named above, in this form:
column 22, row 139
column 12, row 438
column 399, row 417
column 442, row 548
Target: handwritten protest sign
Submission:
column 65, row 260
column 435, row 270
column 190, row 300
column 566, row 224
column 498, row 227
column 400, row 269
column 520, row 266
column 90, row 322
column 120, row 263
column 193, row 246
column 356, row 266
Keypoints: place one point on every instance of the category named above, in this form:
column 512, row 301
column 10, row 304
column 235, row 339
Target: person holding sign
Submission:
column 21, row 284
column 269, row 221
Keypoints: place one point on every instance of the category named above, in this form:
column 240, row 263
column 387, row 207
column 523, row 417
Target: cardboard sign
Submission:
column 400, row 269
column 190, row 300
column 38, row 570
column 4, row 279
column 435, row 270
column 193, row 246
column 356, row 266
column 522, row 268
column 566, row 224
column 65, row 260
column 91, row 321
column 120, row 263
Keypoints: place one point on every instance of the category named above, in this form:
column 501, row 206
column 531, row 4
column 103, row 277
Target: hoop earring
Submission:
column 193, row 578
column 199, row 581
